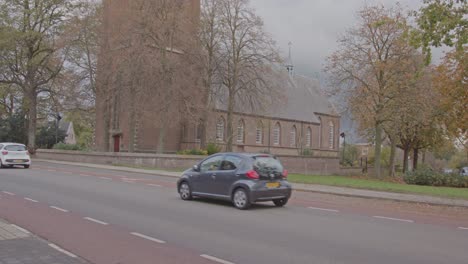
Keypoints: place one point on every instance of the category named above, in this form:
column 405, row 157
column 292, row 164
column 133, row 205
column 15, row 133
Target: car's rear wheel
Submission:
column 185, row 192
column 26, row 166
column 240, row 199
column 280, row 202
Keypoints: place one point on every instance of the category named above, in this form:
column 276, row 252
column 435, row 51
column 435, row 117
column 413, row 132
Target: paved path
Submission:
column 19, row 246
column 109, row 217
column 304, row 187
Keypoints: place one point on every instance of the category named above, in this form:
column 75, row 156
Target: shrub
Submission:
column 63, row 146
column 192, row 152
column 307, row 152
column 212, row 148
column 427, row 176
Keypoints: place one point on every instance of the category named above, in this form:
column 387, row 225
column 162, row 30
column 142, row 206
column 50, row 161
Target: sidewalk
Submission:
column 302, row 187
column 18, row 246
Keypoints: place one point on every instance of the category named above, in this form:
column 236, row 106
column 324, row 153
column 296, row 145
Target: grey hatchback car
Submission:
column 238, row 177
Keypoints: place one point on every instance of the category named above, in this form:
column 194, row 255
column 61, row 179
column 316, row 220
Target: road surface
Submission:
column 112, row 217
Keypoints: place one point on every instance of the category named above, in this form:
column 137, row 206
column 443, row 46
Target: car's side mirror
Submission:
column 196, row 168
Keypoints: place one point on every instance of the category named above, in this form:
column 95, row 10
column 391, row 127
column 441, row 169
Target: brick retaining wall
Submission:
column 294, row 164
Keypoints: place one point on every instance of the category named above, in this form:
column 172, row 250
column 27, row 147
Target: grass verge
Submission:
column 377, row 185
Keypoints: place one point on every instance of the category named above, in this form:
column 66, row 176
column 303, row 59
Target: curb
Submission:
column 161, row 173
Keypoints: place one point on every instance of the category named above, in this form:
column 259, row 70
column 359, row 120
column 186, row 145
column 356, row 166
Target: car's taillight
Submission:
column 252, row 175
column 4, row 152
column 285, row 173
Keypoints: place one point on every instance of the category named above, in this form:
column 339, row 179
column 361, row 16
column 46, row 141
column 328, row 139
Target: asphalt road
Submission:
column 114, row 217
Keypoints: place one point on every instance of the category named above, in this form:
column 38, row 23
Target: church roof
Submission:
column 300, row 99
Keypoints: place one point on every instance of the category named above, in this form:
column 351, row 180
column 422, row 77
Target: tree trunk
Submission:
column 405, row 159
column 229, row 124
column 391, row 171
column 107, row 125
column 132, row 123
column 415, row 158
column 378, row 146
column 32, row 120
column 162, row 136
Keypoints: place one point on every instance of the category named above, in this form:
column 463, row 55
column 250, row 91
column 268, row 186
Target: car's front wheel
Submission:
column 26, row 166
column 240, row 199
column 185, row 192
column 280, row 202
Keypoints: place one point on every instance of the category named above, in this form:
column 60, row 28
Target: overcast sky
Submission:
column 313, row 26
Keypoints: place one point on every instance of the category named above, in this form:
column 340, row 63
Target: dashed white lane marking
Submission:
column 154, row 185
column 95, row 221
column 31, row 200
column 105, row 178
column 149, row 238
column 215, row 259
column 128, row 181
column 52, row 170
column 66, row 172
column 85, row 175
column 394, row 219
column 60, row 209
column 62, row 250
column 324, row 209
column 9, row 193
column 463, row 228
column 21, row 229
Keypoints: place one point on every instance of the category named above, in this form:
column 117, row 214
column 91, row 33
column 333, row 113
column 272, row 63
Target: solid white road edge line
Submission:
column 154, row 185
column 394, row 219
column 60, row 209
column 62, row 250
column 463, row 228
column 95, row 220
column 20, row 229
column 323, row 209
column 9, row 193
column 105, row 178
column 216, row 259
column 31, row 200
column 85, row 175
column 148, row 238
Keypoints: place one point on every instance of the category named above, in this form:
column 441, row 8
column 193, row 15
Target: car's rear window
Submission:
column 267, row 165
column 15, row 148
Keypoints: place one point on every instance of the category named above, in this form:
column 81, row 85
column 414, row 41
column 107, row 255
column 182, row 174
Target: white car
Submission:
column 12, row 154
column 464, row 171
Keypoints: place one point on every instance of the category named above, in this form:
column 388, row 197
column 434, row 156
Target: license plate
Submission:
column 18, row 161
column 272, row 184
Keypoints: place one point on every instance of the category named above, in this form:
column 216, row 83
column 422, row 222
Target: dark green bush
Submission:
column 307, row 152
column 212, row 148
column 427, row 176
column 192, row 152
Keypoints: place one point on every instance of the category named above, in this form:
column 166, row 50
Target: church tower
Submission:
column 128, row 116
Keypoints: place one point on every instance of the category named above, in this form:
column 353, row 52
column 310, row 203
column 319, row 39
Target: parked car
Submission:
column 238, row 177
column 464, row 171
column 447, row 171
column 12, row 154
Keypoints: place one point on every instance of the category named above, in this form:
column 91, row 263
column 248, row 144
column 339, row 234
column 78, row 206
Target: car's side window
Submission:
column 211, row 164
column 1, row 146
column 231, row 163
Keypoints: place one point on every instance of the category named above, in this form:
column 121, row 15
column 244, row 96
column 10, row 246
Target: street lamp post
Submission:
column 343, row 135
column 58, row 118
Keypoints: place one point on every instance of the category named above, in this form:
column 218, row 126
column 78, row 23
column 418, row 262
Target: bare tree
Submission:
column 246, row 52
column 210, row 39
